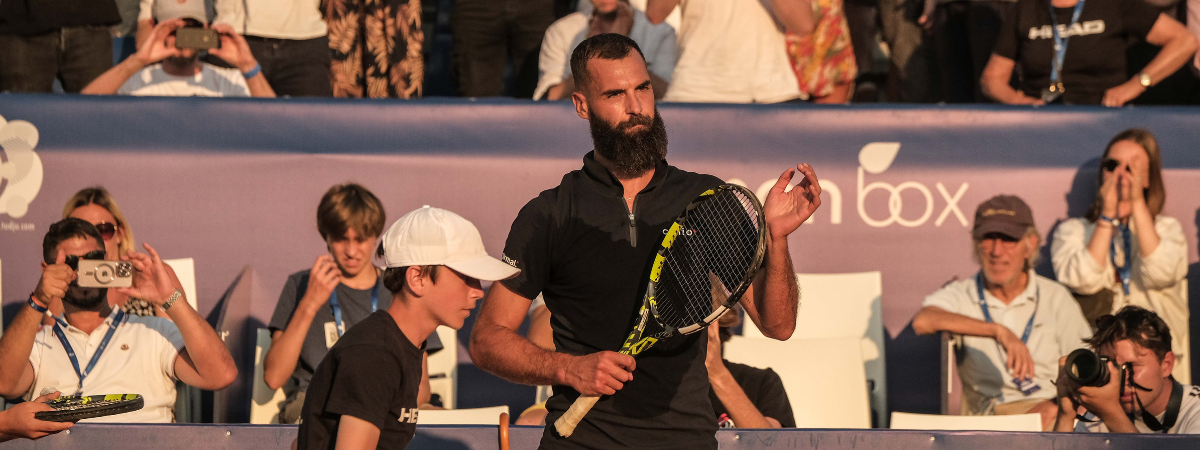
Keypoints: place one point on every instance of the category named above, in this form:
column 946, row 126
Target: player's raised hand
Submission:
column 786, row 210
column 600, row 373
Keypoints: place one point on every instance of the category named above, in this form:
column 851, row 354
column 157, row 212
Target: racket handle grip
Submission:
column 570, row 419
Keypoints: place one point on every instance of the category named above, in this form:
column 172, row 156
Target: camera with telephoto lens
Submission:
column 104, row 274
column 1086, row 368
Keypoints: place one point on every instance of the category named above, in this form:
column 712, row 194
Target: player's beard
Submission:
column 630, row 154
column 85, row 298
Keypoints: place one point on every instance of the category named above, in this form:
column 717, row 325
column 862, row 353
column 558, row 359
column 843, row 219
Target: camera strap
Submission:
column 1125, row 270
column 1170, row 415
column 62, row 338
column 987, row 316
column 337, row 310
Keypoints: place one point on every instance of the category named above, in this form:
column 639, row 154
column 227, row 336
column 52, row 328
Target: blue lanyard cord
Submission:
column 1060, row 42
column 1124, row 271
column 62, row 338
column 988, row 316
column 337, row 310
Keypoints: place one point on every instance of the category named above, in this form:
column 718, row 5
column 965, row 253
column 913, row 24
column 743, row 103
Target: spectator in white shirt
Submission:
column 1015, row 324
column 608, row 16
column 734, row 51
column 95, row 349
column 1124, row 251
column 160, row 68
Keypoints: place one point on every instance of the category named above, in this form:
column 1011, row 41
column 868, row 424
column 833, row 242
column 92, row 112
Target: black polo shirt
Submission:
column 589, row 256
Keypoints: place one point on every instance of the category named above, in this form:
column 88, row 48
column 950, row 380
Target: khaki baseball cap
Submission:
column 1004, row 214
column 431, row 236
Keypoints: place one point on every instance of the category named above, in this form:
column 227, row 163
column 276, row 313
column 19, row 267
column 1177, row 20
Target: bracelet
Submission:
column 248, row 75
column 172, row 299
column 1110, row 220
column 37, row 306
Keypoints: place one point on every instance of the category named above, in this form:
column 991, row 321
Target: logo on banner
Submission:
column 876, row 158
column 20, row 171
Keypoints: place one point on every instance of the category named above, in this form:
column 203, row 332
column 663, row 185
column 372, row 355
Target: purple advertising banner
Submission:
column 235, row 183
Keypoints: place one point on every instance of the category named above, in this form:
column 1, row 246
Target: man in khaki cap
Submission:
column 1015, row 324
column 364, row 393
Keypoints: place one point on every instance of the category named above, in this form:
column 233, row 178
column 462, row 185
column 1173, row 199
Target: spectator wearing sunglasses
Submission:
column 1140, row 396
column 1124, row 251
column 96, row 206
column 95, row 349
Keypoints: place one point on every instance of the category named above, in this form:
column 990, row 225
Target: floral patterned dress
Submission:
column 376, row 48
column 824, row 58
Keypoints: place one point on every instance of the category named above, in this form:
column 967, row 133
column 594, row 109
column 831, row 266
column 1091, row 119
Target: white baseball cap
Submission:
column 433, row 236
column 165, row 10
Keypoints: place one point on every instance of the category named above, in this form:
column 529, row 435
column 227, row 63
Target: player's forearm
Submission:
column 504, row 353
column 778, row 300
column 15, row 345
column 281, row 359
column 741, row 410
column 208, row 353
column 110, row 81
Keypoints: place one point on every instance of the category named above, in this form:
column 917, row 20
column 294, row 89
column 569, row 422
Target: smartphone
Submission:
column 99, row 273
column 197, row 38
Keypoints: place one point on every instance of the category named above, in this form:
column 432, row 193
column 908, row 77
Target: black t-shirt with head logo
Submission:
column 372, row 373
column 1095, row 59
column 765, row 390
column 579, row 247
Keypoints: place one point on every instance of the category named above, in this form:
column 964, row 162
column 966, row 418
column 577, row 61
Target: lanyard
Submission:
column 1123, row 271
column 988, row 316
column 337, row 310
column 1060, row 42
column 62, row 338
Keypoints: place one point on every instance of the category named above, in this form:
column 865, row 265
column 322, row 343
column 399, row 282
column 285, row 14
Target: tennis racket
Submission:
column 705, row 263
column 78, row 407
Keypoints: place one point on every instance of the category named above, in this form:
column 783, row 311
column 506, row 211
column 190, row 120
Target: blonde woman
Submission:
column 96, row 206
column 1125, row 252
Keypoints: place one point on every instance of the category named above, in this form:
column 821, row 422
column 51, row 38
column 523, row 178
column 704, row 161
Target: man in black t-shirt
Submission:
column 1094, row 67
column 364, row 393
column 743, row 396
column 587, row 245
column 307, row 321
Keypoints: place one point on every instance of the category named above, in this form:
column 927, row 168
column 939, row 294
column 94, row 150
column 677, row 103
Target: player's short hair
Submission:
column 347, row 207
column 1139, row 325
column 610, row 46
column 64, row 230
column 394, row 278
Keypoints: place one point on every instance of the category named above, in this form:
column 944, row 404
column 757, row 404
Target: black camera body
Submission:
column 1086, row 368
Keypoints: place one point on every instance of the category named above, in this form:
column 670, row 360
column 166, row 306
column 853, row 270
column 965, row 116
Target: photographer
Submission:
column 160, row 68
column 94, row 349
column 1137, row 394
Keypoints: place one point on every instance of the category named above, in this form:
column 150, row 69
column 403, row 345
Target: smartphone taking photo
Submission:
column 198, row 38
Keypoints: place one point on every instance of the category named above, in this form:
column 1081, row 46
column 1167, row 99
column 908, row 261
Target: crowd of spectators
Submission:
column 1112, row 52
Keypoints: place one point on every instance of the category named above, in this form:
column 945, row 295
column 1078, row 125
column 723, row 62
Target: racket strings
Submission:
column 720, row 237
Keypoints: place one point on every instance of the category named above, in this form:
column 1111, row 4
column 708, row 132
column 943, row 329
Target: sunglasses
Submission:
column 72, row 261
column 107, row 230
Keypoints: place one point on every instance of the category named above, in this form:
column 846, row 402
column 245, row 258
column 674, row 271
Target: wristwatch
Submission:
column 171, row 300
column 1144, row 79
column 1110, row 220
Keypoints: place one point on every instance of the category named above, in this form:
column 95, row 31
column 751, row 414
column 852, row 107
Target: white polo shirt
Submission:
column 140, row 359
column 1058, row 329
column 731, row 51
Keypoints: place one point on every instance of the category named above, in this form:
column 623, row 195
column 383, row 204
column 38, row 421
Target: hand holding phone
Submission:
column 197, row 38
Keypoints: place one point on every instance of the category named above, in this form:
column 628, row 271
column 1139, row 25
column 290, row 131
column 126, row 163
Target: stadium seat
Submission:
column 824, row 378
column 844, row 305
column 443, row 368
column 1016, row 422
column 264, row 403
column 470, row 416
column 185, row 269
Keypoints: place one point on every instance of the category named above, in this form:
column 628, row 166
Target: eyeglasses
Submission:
column 72, row 261
column 107, row 230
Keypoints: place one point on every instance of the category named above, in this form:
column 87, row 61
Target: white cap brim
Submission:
column 484, row 268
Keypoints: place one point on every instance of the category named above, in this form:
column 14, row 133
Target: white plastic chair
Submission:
column 844, row 305
column 443, row 368
column 824, row 378
column 1015, row 422
column 264, row 402
column 471, row 416
column 185, row 269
